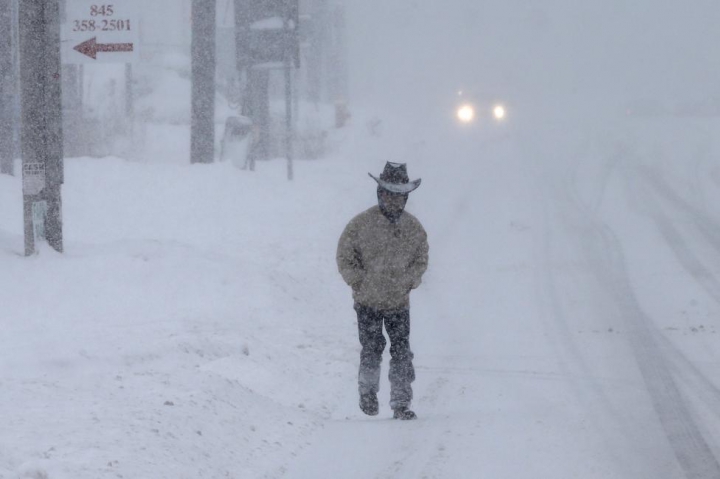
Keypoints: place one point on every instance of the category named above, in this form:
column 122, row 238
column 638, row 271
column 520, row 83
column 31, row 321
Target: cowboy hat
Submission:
column 394, row 179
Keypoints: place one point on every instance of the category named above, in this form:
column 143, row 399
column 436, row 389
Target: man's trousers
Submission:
column 402, row 373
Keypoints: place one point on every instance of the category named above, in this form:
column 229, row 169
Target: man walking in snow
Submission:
column 382, row 255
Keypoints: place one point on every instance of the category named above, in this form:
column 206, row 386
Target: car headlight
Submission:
column 466, row 113
column 499, row 112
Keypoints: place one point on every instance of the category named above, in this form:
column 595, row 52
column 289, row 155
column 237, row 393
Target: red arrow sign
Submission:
column 92, row 47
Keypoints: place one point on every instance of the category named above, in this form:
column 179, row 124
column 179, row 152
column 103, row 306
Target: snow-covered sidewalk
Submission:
column 195, row 325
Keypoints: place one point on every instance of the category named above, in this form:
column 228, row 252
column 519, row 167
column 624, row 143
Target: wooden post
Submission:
column 202, row 148
column 7, row 89
column 41, row 127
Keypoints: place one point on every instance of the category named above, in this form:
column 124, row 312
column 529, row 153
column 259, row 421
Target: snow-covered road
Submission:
column 197, row 326
column 567, row 327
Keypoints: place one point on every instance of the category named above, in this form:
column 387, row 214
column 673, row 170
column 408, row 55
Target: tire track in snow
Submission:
column 704, row 223
column 674, row 239
column 559, row 189
column 562, row 325
column 661, row 191
column 691, row 450
column 690, row 375
column 591, row 390
column 702, row 275
column 684, row 435
column 682, row 367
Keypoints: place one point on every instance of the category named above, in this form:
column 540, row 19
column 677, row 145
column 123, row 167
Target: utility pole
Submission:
column 316, row 52
column 291, row 55
column 7, row 89
column 202, row 148
column 41, row 129
column 338, row 73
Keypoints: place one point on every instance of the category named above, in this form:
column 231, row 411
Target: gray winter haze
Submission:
column 557, row 56
column 359, row 239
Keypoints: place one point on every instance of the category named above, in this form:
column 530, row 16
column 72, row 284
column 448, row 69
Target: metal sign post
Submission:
column 267, row 38
column 129, row 94
column 288, row 118
column 41, row 126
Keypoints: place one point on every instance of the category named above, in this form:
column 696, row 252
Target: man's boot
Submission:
column 369, row 404
column 403, row 413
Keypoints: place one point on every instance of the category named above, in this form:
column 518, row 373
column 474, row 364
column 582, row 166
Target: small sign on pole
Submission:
column 33, row 178
column 39, row 216
column 98, row 32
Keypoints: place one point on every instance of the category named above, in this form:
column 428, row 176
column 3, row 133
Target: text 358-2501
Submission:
column 102, row 25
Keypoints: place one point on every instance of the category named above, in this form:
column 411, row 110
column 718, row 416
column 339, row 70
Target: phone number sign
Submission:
column 100, row 32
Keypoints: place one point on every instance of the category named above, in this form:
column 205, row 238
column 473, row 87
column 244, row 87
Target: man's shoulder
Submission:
column 365, row 216
column 412, row 219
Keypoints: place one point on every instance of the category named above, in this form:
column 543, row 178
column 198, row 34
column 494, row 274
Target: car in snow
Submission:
column 471, row 108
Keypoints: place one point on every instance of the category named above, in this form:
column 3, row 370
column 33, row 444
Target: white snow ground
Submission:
column 196, row 325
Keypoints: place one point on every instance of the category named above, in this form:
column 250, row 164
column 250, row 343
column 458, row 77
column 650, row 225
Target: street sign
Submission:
column 267, row 33
column 39, row 214
column 92, row 47
column 33, row 178
column 100, row 32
